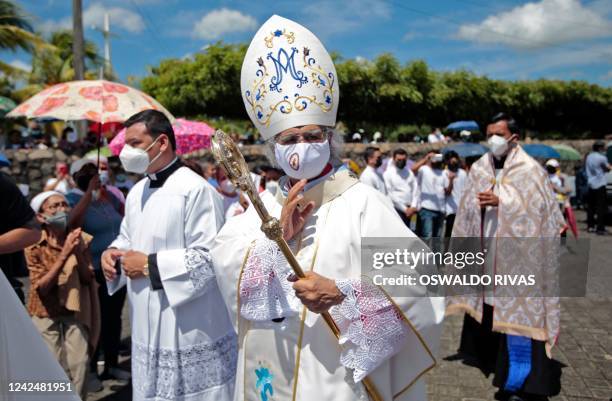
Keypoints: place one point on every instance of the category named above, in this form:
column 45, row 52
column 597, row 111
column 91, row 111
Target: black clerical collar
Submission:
column 499, row 163
column 156, row 180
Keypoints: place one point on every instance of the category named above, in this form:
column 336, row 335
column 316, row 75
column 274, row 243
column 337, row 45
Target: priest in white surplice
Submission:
column 286, row 352
column 183, row 344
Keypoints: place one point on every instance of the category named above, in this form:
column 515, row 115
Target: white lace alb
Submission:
column 198, row 263
column 371, row 328
column 169, row 374
column 265, row 293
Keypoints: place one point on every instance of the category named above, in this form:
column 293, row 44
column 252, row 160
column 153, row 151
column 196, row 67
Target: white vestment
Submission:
column 402, row 187
column 299, row 358
column 24, row 357
column 453, row 200
column 371, row 177
column 183, row 344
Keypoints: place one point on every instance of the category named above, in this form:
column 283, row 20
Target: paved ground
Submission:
column 584, row 348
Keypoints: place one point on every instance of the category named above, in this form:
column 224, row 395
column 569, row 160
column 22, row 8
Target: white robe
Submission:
column 24, row 357
column 371, row 177
column 299, row 358
column 183, row 344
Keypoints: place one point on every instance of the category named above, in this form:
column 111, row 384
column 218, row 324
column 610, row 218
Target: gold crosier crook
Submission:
column 226, row 152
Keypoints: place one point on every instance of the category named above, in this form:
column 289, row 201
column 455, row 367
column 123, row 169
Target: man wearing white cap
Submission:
column 63, row 299
column 286, row 352
column 559, row 181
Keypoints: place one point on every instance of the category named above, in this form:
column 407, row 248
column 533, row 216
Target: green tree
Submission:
column 384, row 95
column 16, row 33
column 53, row 64
column 208, row 83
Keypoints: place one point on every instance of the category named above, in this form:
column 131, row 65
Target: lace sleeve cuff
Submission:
column 265, row 293
column 371, row 328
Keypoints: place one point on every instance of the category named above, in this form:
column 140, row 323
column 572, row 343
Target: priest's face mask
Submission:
column 302, row 152
column 141, row 150
column 500, row 139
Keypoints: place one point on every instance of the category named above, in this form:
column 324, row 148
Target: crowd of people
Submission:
column 217, row 312
column 41, row 135
column 426, row 193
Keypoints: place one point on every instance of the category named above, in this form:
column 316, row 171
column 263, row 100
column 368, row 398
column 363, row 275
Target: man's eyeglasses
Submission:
column 54, row 206
column 291, row 138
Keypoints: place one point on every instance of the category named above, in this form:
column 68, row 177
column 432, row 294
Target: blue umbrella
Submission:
column 541, row 151
column 45, row 120
column 4, row 162
column 467, row 149
column 463, row 125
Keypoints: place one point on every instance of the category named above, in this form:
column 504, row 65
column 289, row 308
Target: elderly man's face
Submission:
column 54, row 204
column 307, row 133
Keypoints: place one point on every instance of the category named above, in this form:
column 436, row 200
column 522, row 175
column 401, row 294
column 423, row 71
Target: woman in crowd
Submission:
column 63, row 300
column 97, row 211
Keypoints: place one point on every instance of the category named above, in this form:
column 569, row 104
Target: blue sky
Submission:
column 505, row 39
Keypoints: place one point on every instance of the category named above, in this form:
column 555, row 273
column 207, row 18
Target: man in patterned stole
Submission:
column 509, row 205
column 286, row 352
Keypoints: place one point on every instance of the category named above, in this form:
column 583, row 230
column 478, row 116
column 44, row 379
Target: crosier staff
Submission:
column 225, row 151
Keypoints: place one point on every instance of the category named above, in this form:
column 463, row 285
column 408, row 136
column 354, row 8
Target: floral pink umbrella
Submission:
column 96, row 100
column 190, row 136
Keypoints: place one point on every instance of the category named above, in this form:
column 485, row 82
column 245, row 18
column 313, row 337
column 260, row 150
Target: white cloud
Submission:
column 409, row 36
column 22, row 65
column 541, row 64
column 122, row 18
column 119, row 17
column 326, row 17
column 607, row 76
column 49, row 26
column 538, row 25
column 222, row 21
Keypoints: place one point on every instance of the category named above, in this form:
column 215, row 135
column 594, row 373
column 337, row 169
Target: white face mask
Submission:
column 72, row 137
column 498, row 144
column 104, row 177
column 272, row 187
column 302, row 160
column 136, row 160
column 227, row 186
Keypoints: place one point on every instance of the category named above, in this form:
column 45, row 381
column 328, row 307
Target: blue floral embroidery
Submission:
column 285, row 62
column 264, row 383
column 278, row 33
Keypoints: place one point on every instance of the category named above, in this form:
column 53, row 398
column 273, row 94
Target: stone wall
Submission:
column 34, row 167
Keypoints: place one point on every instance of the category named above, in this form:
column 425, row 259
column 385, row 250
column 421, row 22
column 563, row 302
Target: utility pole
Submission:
column 107, row 53
column 78, row 54
column 107, row 72
column 78, row 40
